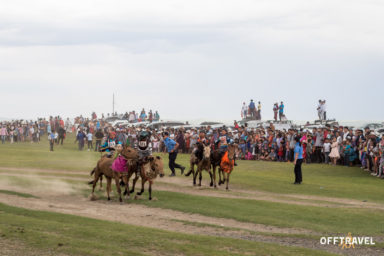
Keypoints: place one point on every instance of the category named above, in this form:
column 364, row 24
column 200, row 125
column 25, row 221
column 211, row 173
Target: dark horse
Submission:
column 204, row 163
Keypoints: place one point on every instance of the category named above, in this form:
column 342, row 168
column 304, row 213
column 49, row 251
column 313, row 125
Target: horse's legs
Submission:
column 101, row 182
column 214, row 175
column 126, row 180
column 210, row 175
column 220, row 180
column 150, row 190
column 228, row 180
column 200, row 175
column 95, row 179
column 191, row 170
column 109, row 181
column 134, row 183
column 194, row 176
column 117, row 181
column 142, row 187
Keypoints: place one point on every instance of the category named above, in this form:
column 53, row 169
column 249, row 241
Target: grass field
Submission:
column 263, row 214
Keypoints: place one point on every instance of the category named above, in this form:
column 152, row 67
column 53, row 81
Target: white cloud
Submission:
column 190, row 59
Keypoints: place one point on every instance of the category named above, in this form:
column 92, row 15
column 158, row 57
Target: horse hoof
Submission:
column 199, row 185
column 109, row 199
column 121, row 200
column 93, row 197
column 131, row 191
column 211, row 184
column 150, row 198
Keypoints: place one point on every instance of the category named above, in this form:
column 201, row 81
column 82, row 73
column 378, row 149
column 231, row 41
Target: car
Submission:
column 159, row 125
column 379, row 132
column 120, row 122
column 373, row 126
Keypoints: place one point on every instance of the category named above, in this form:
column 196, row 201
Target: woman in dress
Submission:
column 334, row 155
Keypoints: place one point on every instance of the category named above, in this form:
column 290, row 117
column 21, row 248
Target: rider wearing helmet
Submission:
column 143, row 146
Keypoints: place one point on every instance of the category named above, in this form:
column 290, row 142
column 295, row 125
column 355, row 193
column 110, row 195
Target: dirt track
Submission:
column 58, row 196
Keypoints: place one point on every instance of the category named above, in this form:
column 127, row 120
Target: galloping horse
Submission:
column 204, row 164
column 216, row 161
column 150, row 168
column 103, row 167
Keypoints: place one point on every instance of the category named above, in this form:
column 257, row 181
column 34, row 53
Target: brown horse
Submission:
column 216, row 159
column 204, row 164
column 150, row 168
column 227, row 167
column 103, row 167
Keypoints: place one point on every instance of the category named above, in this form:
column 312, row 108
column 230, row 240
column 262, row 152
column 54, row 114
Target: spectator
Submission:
column 99, row 136
column 281, row 111
column 326, row 150
column 80, row 139
column 51, row 138
column 89, row 139
column 252, row 109
column 244, row 110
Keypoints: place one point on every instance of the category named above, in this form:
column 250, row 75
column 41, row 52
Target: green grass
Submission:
column 9, row 192
column 319, row 180
column 73, row 235
column 320, row 219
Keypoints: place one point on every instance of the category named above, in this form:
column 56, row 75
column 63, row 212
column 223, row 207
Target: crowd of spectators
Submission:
column 335, row 145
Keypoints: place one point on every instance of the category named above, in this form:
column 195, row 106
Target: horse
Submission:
column 150, row 168
column 227, row 164
column 216, row 161
column 103, row 167
column 204, row 164
column 196, row 156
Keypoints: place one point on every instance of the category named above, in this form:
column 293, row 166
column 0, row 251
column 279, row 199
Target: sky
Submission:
column 192, row 59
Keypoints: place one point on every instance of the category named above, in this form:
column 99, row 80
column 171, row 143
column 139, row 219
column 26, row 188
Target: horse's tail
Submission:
column 93, row 171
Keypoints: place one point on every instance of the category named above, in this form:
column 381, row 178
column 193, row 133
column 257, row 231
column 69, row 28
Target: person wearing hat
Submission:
column 172, row 147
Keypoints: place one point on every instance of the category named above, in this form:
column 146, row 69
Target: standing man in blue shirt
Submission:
column 298, row 161
column 252, row 109
column 172, row 147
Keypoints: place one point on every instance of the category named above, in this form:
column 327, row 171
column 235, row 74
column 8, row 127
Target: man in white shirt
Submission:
column 326, row 150
column 319, row 109
column 244, row 110
column 324, row 110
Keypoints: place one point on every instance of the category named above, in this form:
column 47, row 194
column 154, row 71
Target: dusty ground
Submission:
column 58, row 196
